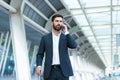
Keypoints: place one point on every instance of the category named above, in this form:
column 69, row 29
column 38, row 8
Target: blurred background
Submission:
column 94, row 24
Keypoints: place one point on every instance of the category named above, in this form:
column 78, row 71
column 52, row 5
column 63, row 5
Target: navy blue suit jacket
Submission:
column 46, row 45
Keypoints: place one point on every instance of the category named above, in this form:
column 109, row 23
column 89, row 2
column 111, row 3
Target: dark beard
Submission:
column 57, row 29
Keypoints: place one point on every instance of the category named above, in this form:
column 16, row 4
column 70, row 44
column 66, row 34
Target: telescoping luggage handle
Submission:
column 40, row 77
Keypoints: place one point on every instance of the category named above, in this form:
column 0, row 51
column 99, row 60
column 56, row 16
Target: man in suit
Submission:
column 57, row 64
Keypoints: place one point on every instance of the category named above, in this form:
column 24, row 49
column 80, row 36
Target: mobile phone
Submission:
column 63, row 28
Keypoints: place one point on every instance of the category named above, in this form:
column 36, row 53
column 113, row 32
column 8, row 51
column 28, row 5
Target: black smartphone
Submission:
column 63, row 28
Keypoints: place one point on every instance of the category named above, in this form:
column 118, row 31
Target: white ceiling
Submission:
column 100, row 22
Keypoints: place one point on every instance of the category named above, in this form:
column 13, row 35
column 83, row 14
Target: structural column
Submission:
column 19, row 42
column 19, row 47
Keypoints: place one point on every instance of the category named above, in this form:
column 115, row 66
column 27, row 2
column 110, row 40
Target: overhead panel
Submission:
column 80, row 34
column 43, row 7
column 29, row 12
column 7, row 1
column 57, row 4
column 4, row 20
column 73, row 23
column 69, row 19
column 74, row 36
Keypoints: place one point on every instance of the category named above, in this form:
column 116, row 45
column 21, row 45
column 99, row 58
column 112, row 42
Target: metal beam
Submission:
column 7, row 6
column 83, row 9
column 36, row 10
column 111, row 21
column 51, row 6
column 36, row 26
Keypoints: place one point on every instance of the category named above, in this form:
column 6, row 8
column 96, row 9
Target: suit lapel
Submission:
column 51, row 43
column 61, row 41
column 51, row 40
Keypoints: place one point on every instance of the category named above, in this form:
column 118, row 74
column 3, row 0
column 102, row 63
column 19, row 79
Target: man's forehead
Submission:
column 58, row 18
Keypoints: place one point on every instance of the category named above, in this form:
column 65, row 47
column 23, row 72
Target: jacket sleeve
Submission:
column 40, row 54
column 71, row 42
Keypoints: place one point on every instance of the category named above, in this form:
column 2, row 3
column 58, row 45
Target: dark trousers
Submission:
column 56, row 74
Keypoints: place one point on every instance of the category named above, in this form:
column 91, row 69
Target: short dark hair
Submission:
column 56, row 15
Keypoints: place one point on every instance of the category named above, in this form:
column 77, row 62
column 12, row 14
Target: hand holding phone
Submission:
column 64, row 28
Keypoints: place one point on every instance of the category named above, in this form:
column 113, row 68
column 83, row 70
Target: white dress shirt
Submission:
column 55, row 59
column 55, row 38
